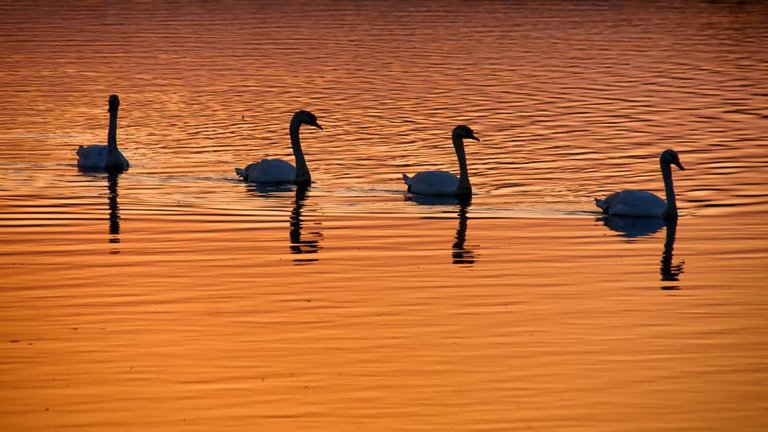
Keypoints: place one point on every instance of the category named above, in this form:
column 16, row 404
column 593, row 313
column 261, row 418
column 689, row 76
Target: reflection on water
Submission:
column 268, row 190
column 113, row 193
column 670, row 272
column 633, row 227
column 411, row 326
column 114, row 208
column 305, row 246
column 301, row 242
column 461, row 254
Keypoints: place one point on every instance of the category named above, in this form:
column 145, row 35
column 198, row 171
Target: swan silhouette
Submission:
column 278, row 170
column 642, row 203
column 443, row 182
column 101, row 157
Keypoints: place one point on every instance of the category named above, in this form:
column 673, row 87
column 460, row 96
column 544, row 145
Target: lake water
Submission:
column 174, row 297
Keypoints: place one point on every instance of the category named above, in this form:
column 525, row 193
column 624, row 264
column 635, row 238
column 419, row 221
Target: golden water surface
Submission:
column 173, row 297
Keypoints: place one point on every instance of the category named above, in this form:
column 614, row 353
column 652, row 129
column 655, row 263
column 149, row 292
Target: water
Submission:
column 174, row 297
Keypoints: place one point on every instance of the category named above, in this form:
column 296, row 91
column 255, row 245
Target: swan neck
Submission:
column 112, row 133
column 464, row 186
column 302, row 171
column 669, row 189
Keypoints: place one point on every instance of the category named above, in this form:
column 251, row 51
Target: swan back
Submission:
column 433, row 183
column 633, row 203
column 268, row 171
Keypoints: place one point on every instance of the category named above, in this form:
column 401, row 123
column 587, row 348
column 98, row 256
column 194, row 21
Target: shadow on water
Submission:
column 298, row 245
column 460, row 253
column 632, row 227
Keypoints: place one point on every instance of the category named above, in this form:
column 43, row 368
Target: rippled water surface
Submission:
column 175, row 297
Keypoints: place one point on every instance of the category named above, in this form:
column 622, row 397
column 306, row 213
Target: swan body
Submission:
column 443, row 182
column 645, row 204
column 432, row 183
column 104, row 157
column 278, row 170
column 268, row 171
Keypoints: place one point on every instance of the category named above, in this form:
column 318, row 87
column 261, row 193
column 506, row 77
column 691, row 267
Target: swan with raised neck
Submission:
column 642, row 203
column 278, row 170
column 443, row 182
column 104, row 157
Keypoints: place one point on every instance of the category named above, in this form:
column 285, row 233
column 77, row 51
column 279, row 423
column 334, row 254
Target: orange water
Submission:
column 174, row 297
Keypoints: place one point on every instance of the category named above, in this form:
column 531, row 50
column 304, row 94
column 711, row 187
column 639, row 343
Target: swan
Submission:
column 642, row 203
column 101, row 157
column 278, row 170
column 443, row 182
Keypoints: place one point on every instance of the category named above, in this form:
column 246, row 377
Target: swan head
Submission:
column 307, row 117
column 464, row 131
column 670, row 157
column 114, row 103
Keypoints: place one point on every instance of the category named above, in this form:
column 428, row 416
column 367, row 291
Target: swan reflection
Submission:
column 114, row 208
column 299, row 245
column 670, row 272
column 300, row 242
column 461, row 254
column 632, row 227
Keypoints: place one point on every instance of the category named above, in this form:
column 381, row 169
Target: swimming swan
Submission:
column 280, row 171
column 642, row 203
column 443, row 182
column 101, row 157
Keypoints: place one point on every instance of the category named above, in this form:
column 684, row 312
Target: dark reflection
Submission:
column 460, row 253
column 299, row 245
column 632, row 227
column 670, row 272
column 266, row 190
column 114, row 208
column 302, row 243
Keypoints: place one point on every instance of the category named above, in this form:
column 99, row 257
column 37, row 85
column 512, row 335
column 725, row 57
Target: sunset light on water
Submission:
column 174, row 296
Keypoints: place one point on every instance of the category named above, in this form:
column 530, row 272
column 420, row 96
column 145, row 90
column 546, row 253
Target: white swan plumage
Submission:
column 443, row 182
column 645, row 204
column 101, row 157
column 278, row 170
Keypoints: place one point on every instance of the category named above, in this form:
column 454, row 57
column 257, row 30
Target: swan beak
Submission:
column 317, row 125
column 679, row 165
column 474, row 138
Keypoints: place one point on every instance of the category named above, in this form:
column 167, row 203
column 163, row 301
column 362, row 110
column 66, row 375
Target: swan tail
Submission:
column 601, row 203
column 80, row 150
column 407, row 181
column 240, row 172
